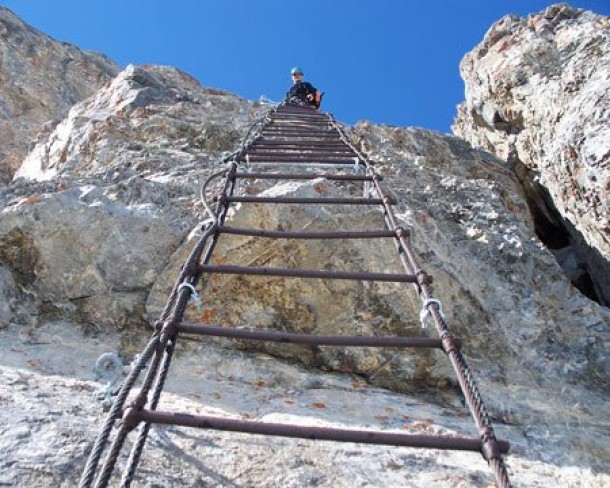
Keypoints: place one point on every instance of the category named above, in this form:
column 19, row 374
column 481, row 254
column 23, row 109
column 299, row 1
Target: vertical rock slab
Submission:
column 538, row 95
column 40, row 79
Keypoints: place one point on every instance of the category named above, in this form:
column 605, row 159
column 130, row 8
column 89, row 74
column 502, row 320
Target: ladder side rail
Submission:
column 166, row 332
column 490, row 450
column 170, row 329
column 151, row 351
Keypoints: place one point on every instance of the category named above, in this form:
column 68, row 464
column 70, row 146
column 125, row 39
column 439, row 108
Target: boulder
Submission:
column 537, row 96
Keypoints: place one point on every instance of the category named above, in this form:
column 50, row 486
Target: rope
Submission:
column 499, row 468
column 465, row 377
column 102, row 439
column 138, row 447
column 209, row 210
column 115, row 412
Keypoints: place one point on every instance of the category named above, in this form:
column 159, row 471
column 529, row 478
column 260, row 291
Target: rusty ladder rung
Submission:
column 309, row 273
column 293, row 122
column 305, row 144
column 288, row 115
column 317, row 340
column 301, row 138
column 283, row 156
column 276, row 234
column 304, row 200
column 315, row 433
column 306, row 135
column 302, row 162
column 303, row 176
column 303, row 131
column 306, row 164
column 311, row 153
column 287, row 118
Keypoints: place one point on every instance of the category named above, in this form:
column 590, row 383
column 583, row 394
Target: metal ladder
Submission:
column 301, row 139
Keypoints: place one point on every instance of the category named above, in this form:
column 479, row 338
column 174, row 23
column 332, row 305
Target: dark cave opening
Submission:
column 550, row 232
column 558, row 235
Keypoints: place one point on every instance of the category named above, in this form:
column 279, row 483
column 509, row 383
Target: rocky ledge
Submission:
column 538, row 96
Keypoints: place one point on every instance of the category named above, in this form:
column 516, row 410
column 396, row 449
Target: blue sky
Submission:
column 388, row 61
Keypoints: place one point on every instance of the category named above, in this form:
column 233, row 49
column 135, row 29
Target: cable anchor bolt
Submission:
column 423, row 314
column 196, row 297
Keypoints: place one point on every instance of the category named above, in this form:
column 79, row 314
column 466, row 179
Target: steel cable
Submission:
column 115, row 412
column 125, row 427
column 138, row 447
column 465, row 378
column 102, row 438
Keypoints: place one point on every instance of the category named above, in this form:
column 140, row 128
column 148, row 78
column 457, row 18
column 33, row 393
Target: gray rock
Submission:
column 40, row 79
column 537, row 94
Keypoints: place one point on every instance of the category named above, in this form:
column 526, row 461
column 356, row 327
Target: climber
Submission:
column 303, row 90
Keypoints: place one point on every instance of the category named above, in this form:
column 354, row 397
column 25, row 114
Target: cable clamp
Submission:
column 196, row 297
column 423, row 314
column 108, row 367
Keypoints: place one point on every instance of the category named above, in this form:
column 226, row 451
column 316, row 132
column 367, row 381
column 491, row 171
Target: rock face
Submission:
column 124, row 160
column 40, row 79
column 106, row 206
column 538, row 95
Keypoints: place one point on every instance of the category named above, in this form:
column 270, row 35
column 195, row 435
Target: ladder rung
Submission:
column 287, row 114
column 309, row 273
column 302, row 161
column 319, row 340
column 307, row 114
column 327, row 200
column 263, row 142
column 286, row 133
column 301, row 157
column 315, row 433
column 292, row 146
column 293, row 121
column 300, row 128
column 285, row 152
column 306, row 164
column 302, row 176
column 303, row 131
column 370, row 234
column 301, row 137
column 314, row 147
column 300, row 114
column 328, row 156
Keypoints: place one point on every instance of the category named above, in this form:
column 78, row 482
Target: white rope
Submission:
column 267, row 101
column 423, row 314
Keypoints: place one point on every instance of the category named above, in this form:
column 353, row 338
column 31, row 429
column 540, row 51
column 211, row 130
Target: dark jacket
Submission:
column 300, row 90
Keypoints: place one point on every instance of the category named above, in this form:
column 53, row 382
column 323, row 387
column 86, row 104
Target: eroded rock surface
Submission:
column 538, row 95
column 40, row 79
